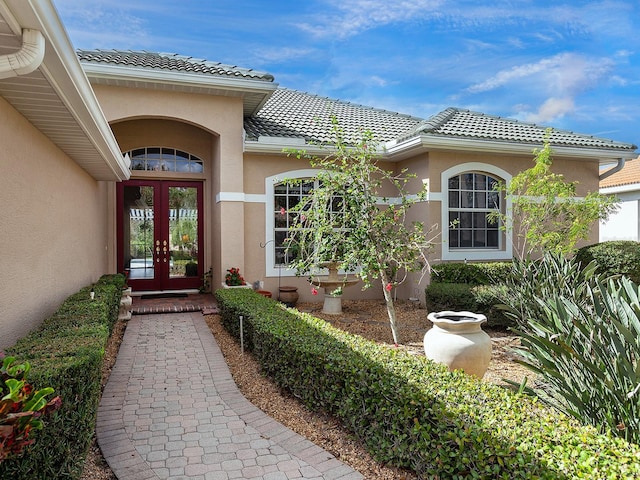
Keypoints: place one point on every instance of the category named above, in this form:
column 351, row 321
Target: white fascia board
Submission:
column 62, row 69
column 429, row 142
column 185, row 79
column 632, row 187
column 274, row 147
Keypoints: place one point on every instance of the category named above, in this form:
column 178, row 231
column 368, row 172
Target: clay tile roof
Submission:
column 629, row 174
column 169, row 62
column 290, row 113
column 455, row 122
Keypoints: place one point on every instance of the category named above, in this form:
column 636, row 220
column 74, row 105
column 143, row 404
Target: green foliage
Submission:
column 449, row 296
column 483, row 299
column 413, row 413
column 490, row 273
column 66, row 353
column 350, row 221
column 581, row 333
column 21, row 408
column 620, row 257
column 546, row 215
column 545, row 278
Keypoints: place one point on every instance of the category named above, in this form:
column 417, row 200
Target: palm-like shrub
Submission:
column 581, row 333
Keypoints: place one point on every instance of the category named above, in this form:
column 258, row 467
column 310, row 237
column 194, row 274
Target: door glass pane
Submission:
column 138, row 232
column 183, row 232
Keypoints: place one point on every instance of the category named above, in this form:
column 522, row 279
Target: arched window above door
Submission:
column 164, row 159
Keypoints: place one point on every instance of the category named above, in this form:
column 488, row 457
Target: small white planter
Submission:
column 457, row 340
column 246, row 285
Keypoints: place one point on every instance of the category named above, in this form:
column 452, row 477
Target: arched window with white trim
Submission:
column 472, row 198
column 469, row 197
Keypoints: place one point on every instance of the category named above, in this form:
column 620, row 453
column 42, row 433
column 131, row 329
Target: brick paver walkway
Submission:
column 171, row 410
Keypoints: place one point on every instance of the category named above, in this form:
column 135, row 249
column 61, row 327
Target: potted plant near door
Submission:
column 233, row 279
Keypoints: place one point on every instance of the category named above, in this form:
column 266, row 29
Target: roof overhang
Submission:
column 421, row 143
column 254, row 93
column 57, row 97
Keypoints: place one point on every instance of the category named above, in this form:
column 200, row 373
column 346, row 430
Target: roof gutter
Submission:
column 611, row 171
column 424, row 142
column 25, row 60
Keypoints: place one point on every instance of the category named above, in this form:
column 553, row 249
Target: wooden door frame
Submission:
column 161, row 189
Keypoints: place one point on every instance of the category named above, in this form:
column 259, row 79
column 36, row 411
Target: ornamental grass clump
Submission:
column 580, row 331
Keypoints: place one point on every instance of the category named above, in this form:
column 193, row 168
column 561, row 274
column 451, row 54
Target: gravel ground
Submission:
column 366, row 318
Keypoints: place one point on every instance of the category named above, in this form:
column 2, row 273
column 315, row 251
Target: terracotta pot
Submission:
column 264, row 293
column 289, row 295
column 457, row 340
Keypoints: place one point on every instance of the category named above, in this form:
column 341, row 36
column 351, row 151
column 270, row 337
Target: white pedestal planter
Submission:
column 457, row 340
column 332, row 304
column 125, row 305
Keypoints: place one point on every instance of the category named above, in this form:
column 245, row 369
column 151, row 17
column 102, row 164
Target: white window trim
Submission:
column 269, row 208
column 472, row 254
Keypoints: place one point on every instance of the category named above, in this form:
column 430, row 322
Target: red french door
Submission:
column 160, row 231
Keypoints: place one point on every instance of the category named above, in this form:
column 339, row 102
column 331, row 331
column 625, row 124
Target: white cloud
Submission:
column 551, row 110
column 279, row 55
column 563, row 74
column 352, row 17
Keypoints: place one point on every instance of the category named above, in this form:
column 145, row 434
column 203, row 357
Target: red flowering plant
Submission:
column 233, row 277
column 21, row 408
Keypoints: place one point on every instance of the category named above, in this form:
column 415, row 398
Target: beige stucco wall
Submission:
column 53, row 226
column 426, row 166
column 585, row 172
column 208, row 126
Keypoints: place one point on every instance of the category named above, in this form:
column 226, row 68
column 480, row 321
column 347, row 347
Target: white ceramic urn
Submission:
column 458, row 341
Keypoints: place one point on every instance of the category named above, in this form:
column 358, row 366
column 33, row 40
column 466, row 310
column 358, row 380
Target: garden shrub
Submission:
column 490, row 273
column 484, row 299
column 449, row 296
column 66, row 353
column 620, row 257
column 581, row 333
column 411, row 412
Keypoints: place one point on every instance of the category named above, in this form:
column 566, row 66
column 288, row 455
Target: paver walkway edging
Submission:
column 171, row 410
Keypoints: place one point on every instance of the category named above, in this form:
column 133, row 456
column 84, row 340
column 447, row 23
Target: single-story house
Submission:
column 624, row 224
column 166, row 167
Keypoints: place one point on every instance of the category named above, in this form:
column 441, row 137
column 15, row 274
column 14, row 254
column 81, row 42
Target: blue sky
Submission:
column 572, row 65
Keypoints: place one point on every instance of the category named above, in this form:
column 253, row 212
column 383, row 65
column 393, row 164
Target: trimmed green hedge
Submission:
column 66, row 353
column 413, row 413
column 484, row 299
column 619, row 257
column 490, row 273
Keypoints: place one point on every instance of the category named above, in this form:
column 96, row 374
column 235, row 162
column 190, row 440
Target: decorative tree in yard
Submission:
column 349, row 221
column 547, row 215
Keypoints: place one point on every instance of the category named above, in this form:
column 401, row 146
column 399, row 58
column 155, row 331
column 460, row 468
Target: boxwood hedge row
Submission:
column 66, row 352
column 413, row 413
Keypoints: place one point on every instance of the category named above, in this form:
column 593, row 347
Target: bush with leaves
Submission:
column 619, row 257
column 546, row 213
column 414, row 413
column 581, row 333
column 21, row 408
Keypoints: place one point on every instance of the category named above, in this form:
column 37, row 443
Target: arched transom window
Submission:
column 163, row 159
